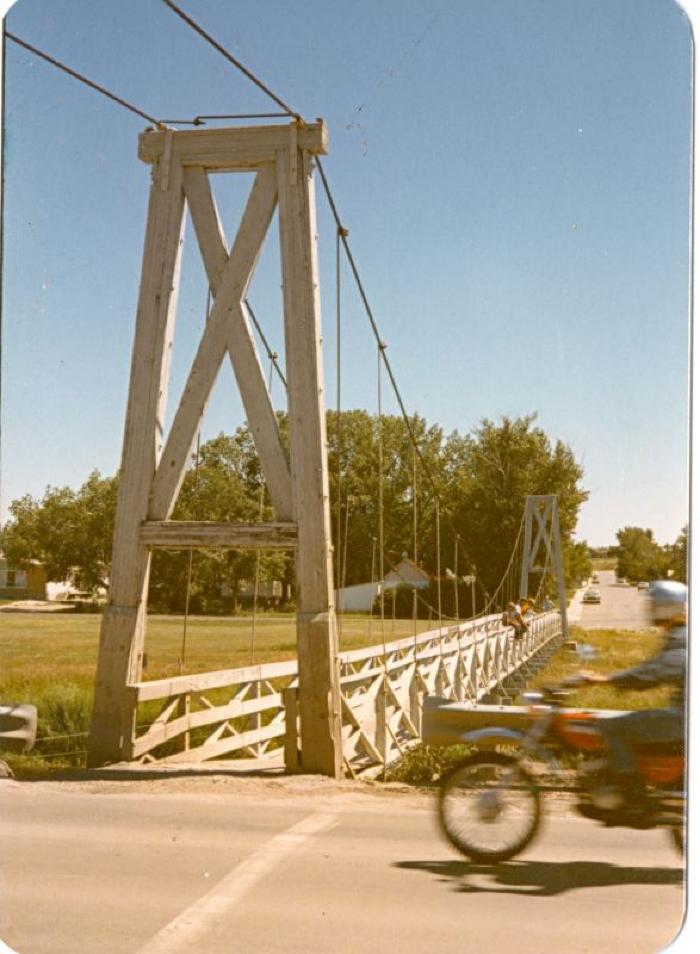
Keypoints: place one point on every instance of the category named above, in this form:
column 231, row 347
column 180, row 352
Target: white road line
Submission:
column 187, row 927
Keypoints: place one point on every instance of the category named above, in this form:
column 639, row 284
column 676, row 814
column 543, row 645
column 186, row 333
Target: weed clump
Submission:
column 423, row 765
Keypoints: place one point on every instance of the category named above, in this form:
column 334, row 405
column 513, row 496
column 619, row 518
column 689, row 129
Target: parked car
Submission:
column 591, row 596
column 642, row 585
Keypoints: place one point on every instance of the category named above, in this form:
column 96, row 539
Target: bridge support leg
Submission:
column 317, row 636
column 120, row 654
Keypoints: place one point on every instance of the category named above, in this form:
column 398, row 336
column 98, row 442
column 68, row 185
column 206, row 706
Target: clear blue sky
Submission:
column 514, row 175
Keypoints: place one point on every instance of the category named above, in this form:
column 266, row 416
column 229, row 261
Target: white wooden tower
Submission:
column 542, row 547
column 154, row 463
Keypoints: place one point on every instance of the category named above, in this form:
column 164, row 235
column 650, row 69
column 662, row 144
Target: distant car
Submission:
column 594, row 578
column 642, row 585
column 591, row 596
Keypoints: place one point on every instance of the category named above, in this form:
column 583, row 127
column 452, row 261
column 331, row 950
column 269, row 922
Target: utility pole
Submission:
column 456, row 578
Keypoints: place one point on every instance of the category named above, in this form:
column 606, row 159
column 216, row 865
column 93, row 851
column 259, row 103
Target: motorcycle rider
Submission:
column 668, row 601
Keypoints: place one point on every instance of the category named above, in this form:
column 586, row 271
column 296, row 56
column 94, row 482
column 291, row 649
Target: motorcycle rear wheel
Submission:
column 489, row 807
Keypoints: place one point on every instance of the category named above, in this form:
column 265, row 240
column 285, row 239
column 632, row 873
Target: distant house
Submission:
column 28, row 583
column 360, row 597
column 356, row 599
column 407, row 573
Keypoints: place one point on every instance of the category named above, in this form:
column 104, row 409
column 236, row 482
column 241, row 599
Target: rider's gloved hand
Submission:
column 592, row 677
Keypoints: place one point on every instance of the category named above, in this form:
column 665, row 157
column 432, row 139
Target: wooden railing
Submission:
column 252, row 712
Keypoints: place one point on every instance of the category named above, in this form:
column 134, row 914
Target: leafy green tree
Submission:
column 492, row 471
column 678, row 557
column 224, row 485
column 578, row 564
column 356, row 451
column 481, row 480
column 639, row 557
column 70, row 532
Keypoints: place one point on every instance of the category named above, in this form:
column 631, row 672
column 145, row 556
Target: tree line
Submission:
column 640, row 557
column 481, row 480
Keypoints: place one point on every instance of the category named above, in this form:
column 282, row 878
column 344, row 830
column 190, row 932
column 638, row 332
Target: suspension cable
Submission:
column 232, row 59
column 258, row 554
column 493, row 599
column 190, row 560
column 199, row 120
column 188, row 586
column 456, row 577
column 342, row 232
column 372, row 574
column 439, row 567
column 380, row 489
column 85, row 80
column 272, row 355
column 415, row 556
column 339, row 429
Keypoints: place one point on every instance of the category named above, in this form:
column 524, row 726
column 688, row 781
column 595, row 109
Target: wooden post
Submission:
column 183, row 709
column 317, row 639
column 381, row 722
column 122, row 633
column 291, row 729
column 415, row 702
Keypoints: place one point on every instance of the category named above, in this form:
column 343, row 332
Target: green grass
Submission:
column 49, row 660
column 616, row 649
column 39, row 649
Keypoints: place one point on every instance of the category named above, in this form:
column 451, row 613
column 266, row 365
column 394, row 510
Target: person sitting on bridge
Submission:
column 649, row 726
column 513, row 617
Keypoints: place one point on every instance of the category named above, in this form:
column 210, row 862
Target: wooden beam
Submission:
column 242, row 349
column 207, row 225
column 317, row 637
column 172, row 534
column 160, row 732
column 232, row 149
column 218, row 679
column 212, row 348
column 122, row 629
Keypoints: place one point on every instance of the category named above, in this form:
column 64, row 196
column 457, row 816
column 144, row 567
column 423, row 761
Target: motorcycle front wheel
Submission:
column 489, row 807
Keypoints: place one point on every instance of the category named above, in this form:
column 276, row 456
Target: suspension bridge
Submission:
column 329, row 711
column 334, row 711
column 189, row 866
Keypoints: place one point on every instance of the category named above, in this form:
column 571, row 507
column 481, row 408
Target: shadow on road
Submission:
column 542, row 878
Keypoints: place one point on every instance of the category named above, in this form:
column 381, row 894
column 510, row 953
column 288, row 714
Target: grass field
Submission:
column 616, row 650
column 38, row 648
column 49, row 660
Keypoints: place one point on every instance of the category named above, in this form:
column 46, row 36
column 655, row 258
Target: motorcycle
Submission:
column 490, row 804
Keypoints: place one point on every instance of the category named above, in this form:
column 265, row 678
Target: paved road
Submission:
column 621, row 606
column 328, row 870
